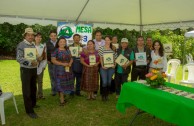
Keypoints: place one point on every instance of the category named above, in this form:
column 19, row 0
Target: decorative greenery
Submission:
column 11, row 35
column 155, row 78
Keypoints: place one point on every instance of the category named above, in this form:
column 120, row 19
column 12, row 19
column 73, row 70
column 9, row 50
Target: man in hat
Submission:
column 122, row 72
column 26, row 56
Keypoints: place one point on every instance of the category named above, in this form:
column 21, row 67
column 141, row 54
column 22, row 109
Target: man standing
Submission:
column 28, row 72
column 98, row 43
column 139, row 71
column 149, row 43
column 50, row 48
column 77, row 66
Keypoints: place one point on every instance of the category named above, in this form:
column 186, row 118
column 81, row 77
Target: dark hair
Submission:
column 38, row 34
column 76, row 35
column 148, row 37
column 57, row 44
column 140, row 37
column 111, row 46
column 97, row 31
column 53, row 31
column 161, row 50
column 91, row 41
column 115, row 37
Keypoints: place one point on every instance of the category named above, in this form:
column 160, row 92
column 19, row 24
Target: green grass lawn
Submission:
column 77, row 112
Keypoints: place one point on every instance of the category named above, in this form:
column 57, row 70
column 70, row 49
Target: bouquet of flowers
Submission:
column 155, row 78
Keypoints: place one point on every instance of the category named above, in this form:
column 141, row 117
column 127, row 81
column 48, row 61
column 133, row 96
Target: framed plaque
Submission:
column 108, row 60
column 30, row 53
column 121, row 60
column 92, row 59
column 74, row 51
column 141, row 59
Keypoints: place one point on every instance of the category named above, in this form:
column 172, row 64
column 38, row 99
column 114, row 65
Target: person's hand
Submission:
column 104, row 67
column 40, row 58
column 34, row 63
column 65, row 64
column 96, row 64
column 124, row 66
column 113, row 66
column 69, row 64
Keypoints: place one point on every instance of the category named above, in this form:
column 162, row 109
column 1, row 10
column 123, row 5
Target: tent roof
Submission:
column 125, row 12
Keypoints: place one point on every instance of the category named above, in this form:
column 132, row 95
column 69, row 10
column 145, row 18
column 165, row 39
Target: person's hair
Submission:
column 148, row 37
column 57, row 44
column 38, row 34
column 161, row 50
column 76, row 35
column 53, row 31
column 97, row 31
column 140, row 37
column 115, row 37
column 111, row 46
column 91, row 41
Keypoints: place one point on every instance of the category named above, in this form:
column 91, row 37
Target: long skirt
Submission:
column 90, row 79
column 64, row 81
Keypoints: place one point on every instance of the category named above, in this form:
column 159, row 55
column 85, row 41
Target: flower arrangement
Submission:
column 155, row 78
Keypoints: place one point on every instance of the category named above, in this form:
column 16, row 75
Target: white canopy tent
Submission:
column 129, row 14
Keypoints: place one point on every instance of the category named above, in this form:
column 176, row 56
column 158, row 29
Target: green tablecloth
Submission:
column 164, row 105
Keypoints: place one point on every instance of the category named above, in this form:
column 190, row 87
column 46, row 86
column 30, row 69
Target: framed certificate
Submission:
column 30, row 53
column 116, row 45
column 121, row 60
column 108, row 60
column 74, row 51
column 141, row 59
column 92, row 59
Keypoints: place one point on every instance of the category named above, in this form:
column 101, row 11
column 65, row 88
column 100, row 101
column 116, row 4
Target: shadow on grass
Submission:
column 77, row 112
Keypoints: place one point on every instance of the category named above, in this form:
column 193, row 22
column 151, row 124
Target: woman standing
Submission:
column 107, row 72
column 159, row 60
column 41, row 52
column 62, row 59
column 90, row 77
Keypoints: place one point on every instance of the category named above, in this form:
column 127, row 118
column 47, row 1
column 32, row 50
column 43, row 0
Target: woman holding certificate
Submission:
column 107, row 58
column 90, row 77
column 159, row 60
column 64, row 80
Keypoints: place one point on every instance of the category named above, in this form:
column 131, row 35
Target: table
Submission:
column 172, row 108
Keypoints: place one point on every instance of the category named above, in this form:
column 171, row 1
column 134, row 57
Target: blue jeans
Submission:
column 106, row 75
column 52, row 79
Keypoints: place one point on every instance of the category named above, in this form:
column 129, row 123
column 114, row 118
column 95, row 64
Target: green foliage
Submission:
column 11, row 35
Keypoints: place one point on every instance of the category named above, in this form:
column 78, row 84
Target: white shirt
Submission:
column 99, row 44
column 158, row 61
column 42, row 64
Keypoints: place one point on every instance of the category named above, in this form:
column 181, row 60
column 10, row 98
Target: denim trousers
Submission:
column 106, row 75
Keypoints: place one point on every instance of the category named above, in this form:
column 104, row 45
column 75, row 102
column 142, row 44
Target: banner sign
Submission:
column 67, row 30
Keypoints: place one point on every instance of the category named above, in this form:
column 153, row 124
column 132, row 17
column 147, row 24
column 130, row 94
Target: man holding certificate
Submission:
column 124, row 60
column 107, row 57
column 76, row 49
column 142, row 59
column 26, row 56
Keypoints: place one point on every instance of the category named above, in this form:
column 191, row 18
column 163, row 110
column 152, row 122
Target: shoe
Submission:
column 78, row 94
column 62, row 103
column 33, row 115
column 53, row 94
column 36, row 106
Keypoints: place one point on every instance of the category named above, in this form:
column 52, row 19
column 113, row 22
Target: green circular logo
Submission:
column 66, row 32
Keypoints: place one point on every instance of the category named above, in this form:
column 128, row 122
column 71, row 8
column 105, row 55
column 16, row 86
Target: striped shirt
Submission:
column 102, row 50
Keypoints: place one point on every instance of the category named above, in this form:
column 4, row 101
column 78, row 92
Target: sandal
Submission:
column 62, row 104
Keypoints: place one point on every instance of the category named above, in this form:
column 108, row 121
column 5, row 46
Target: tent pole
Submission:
column 81, row 11
column 140, row 14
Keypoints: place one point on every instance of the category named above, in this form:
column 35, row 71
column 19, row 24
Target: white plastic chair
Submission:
column 5, row 96
column 190, row 79
column 190, row 57
column 174, row 63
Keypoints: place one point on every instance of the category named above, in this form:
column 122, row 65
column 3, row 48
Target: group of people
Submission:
column 66, row 69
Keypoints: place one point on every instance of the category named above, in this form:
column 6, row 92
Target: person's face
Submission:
column 29, row 37
column 98, row 36
column 149, row 42
column 124, row 45
column 156, row 46
column 38, row 39
column 114, row 40
column 76, row 39
column 90, row 45
column 107, row 40
column 140, row 42
column 62, row 43
column 53, row 37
